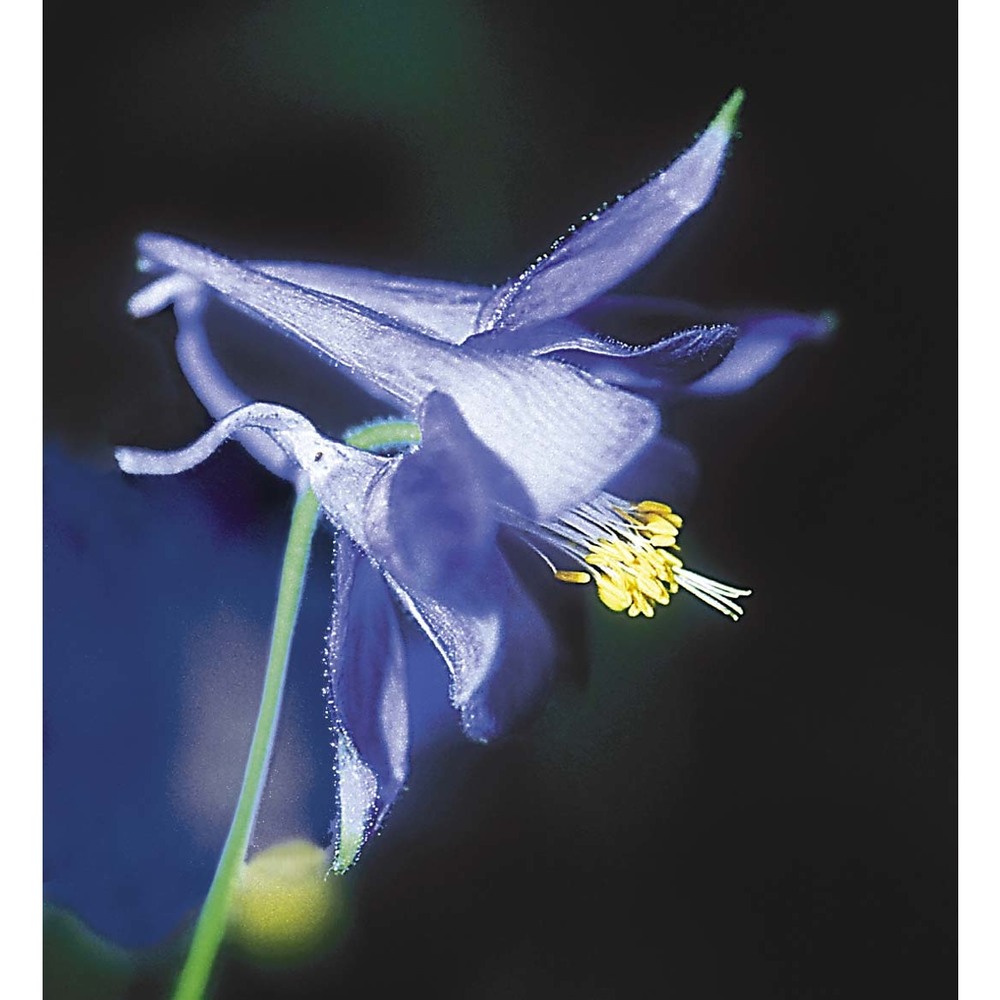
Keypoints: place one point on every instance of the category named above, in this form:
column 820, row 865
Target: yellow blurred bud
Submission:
column 284, row 908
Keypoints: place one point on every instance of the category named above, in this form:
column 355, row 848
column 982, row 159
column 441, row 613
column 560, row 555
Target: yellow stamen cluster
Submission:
column 629, row 550
column 634, row 568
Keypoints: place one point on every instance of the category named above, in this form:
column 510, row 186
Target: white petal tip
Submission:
column 128, row 460
column 161, row 293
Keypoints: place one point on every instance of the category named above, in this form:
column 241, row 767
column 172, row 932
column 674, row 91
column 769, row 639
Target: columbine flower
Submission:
column 528, row 416
column 429, row 523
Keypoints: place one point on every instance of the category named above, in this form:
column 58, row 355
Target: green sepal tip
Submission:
column 726, row 118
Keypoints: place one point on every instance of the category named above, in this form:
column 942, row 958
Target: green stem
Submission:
column 211, row 926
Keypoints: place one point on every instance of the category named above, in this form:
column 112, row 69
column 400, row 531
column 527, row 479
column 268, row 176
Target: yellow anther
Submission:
column 654, row 509
column 612, row 594
column 613, row 550
column 604, row 559
column 640, row 606
column 572, row 576
column 650, row 587
column 659, row 532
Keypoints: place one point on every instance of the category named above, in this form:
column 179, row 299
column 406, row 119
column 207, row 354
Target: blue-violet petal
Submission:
column 366, row 699
column 501, row 654
column 614, row 241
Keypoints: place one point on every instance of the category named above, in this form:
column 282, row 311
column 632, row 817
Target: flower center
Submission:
column 630, row 552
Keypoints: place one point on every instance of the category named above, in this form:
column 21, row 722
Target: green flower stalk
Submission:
column 214, row 916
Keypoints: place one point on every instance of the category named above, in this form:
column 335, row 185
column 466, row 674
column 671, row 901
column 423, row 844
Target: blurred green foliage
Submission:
column 79, row 965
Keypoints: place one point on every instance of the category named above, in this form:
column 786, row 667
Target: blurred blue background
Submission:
column 762, row 810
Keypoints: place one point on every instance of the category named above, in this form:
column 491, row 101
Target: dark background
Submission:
column 762, row 810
